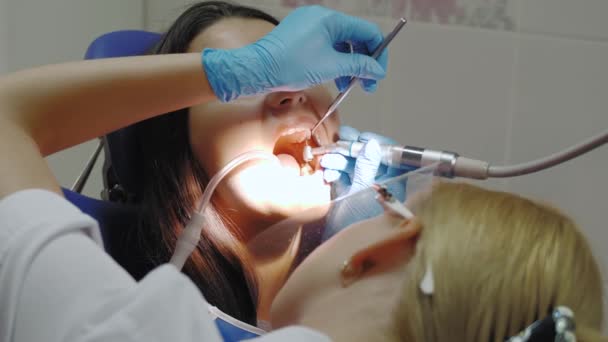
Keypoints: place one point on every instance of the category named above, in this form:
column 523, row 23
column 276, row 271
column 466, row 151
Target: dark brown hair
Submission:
column 173, row 182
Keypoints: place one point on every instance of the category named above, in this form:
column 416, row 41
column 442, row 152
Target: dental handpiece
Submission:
column 450, row 164
column 402, row 157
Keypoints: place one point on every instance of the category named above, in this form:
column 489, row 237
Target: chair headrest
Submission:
column 121, row 148
column 118, row 223
column 123, row 164
column 113, row 218
column 122, row 44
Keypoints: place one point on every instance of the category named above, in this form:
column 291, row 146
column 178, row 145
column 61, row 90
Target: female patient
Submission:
column 182, row 150
column 474, row 265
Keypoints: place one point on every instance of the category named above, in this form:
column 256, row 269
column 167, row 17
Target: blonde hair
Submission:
column 499, row 263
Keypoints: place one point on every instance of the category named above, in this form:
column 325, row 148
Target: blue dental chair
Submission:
column 117, row 212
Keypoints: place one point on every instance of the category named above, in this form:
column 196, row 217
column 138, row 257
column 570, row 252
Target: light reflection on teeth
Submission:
column 297, row 130
column 306, row 170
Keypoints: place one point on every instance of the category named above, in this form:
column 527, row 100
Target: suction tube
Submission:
column 191, row 234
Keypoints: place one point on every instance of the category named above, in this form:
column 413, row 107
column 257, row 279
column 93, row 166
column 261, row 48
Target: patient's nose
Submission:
column 286, row 99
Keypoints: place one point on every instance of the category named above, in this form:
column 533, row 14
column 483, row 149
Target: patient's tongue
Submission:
column 288, row 161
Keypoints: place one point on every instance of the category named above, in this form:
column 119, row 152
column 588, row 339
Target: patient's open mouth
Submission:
column 289, row 149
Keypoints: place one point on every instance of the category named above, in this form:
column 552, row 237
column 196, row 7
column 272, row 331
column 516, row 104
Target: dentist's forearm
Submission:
column 62, row 105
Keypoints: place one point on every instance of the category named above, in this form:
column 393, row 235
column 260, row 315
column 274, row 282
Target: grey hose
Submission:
column 552, row 160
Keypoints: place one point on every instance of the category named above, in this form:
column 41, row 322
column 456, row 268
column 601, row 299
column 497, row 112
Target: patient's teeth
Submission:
column 294, row 130
column 296, row 135
column 306, row 170
column 307, row 153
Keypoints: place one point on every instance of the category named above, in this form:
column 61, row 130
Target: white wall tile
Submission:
column 4, row 37
column 68, row 164
column 562, row 98
column 161, row 13
column 45, row 32
column 491, row 14
column 447, row 88
column 584, row 19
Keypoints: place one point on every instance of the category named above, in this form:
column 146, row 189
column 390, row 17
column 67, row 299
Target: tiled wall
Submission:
column 560, row 87
column 4, row 67
column 34, row 32
column 502, row 80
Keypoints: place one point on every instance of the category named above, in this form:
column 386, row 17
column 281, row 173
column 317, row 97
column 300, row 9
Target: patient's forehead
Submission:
column 231, row 33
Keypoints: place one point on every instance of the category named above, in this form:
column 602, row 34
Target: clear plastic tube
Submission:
column 190, row 235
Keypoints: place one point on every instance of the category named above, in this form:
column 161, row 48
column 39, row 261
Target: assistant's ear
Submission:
column 382, row 254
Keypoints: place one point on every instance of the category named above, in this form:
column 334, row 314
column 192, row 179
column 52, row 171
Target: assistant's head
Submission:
column 498, row 262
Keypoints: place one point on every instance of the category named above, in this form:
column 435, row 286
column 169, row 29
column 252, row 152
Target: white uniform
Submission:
column 57, row 284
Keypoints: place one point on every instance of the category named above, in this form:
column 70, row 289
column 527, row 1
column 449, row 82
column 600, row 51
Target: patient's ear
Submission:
column 389, row 252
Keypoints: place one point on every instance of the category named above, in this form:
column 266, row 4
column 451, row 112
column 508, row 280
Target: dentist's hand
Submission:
column 349, row 175
column 303, row 51
column 344, row 172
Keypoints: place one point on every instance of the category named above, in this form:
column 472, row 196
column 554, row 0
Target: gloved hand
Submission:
column 349, row 175
column 303, row 51
column 369, row 85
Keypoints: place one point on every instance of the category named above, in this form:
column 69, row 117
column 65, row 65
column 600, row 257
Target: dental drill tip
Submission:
column 307, row 153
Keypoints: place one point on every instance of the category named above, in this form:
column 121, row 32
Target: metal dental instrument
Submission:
column 353, row 80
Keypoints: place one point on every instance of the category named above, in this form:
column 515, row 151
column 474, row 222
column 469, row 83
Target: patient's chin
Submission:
column 299, row 193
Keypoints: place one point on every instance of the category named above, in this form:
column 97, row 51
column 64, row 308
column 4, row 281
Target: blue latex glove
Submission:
column 361, row 48
column 306, row 49
column 349, row 175
column 343, row 169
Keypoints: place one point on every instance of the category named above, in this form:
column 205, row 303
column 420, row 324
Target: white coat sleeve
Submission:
column 59, row 285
